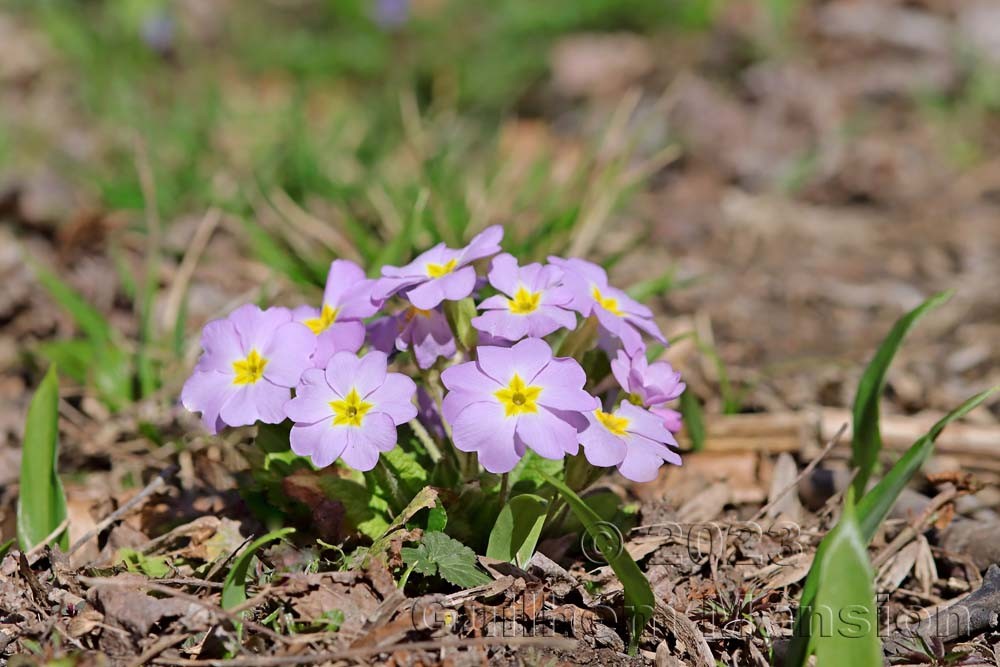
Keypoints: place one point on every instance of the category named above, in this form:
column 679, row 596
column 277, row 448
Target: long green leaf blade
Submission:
column 41, row 506
column 234, row 589
column 871, row 511
column 875, row 506
column 639, row 599
column 866, row 442
column 845, row 600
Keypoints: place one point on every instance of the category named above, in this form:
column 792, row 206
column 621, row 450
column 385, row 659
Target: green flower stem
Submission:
column 504, row 489
column 387, row 480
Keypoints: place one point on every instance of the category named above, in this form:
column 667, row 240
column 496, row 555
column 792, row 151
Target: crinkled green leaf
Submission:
column 447, row 557
column 41, row 505
column 866, row 441
column 517, row 529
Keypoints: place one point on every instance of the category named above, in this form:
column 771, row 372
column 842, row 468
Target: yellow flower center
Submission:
column 249, row 370
column 323, row 322
column 518, row 398
column 350, row 410
column 635, row 399
column 612, row 422
column 439, row 270
column 524, row 302
column 607, row 303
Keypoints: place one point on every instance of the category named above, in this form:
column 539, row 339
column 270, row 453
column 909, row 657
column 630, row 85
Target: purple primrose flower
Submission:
column 252, row 359
column 619, row 315
column 650, row 385
column 514, row 398
column 631, row 438
column 347, row 300
column 426, row 332
column 440, row 274
column 533, row 303
column 350, row 410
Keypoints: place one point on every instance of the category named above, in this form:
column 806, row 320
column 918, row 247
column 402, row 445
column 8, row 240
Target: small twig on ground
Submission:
column 161, row 645
column 802, row 475
column 358, row 654
column 134, row 502
column 910, row 531
column 202, row 235
column 36, row 551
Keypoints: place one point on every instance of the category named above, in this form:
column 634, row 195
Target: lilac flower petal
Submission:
column 550, row 318
column 365, row 443
column 483, row 244
column 563, row 380
column 601, row 447
column 549, row 436
column 371, row 373
column 495, row 302
column 503, row 274
column 339, row 337
column 456, row 401
column 621, row 368
column 207, row 392
column 468, row 377
column 343, row 275
column 646, row 424
column 222, row 346
column 430, row 337
column 340, row 372
column 672, row 419
column 320, row 442
column 382, row 333
column 482, row 428
column 589, row 271
column 257, row 327
column 260, row 401
column 525, row 359
column 427, row 295
column 644, row 458
column 288, row 354
column 502, row 324
column 388, row 285
column 312, row 399
column 395, row 398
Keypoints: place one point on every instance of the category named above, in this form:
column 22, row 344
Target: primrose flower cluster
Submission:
column 343, row 373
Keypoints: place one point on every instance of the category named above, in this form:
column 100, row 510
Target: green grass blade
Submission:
column 845, row 600
column 871, row 511
column 41, row 506
column 516, row 532
column 875, row 505
column 694, row 421
column 639, row 599
column 90, row 321
column 234, row 589
column 866, row 442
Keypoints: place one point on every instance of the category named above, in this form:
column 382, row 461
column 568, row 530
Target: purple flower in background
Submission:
column 515, row 398
column 440, row 274
column 631, row 438
column 650, row 385
column 619, row 315
column 391, row 14
column 347, row 300
column 350, row 410
column 252, row 359
column 426, row 332
column 533, row 302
